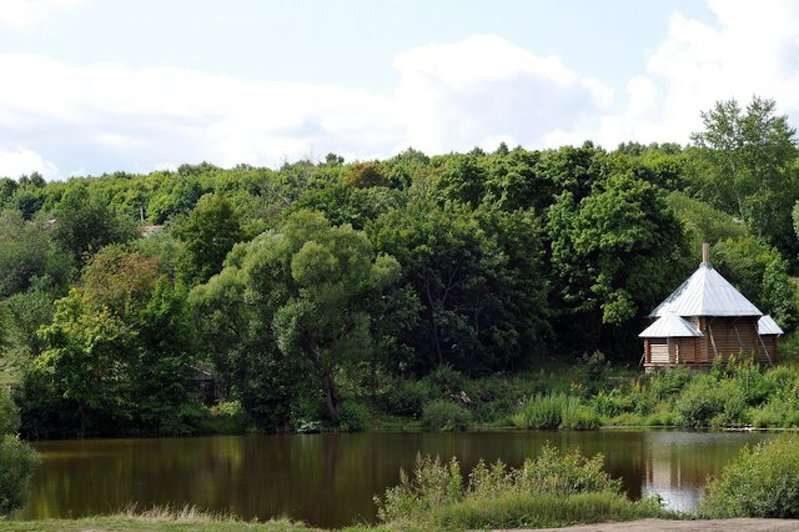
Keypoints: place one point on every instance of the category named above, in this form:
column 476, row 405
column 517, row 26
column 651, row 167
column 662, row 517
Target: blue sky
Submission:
column 93, row 86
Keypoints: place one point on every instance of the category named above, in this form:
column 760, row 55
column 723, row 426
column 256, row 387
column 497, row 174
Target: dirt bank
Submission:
column 662, row 525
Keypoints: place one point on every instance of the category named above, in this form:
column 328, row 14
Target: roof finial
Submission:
column 705, row 253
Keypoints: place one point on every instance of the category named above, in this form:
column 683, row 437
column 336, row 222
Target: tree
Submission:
column 313, row 285
column 477, row 277
column 614, row 255
column 761, row 274
column 746, row 167
column 210, row 231
column 27, row 254
column 84, row 223
column 117, row 352
column 365, row 175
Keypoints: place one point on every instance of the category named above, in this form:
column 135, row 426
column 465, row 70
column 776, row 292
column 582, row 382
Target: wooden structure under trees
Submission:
column 704, row 319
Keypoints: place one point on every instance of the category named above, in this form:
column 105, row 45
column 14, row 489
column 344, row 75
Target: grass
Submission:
column 159, row 517
column 554, row 489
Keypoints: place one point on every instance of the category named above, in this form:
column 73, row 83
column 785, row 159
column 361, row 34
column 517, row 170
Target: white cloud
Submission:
column 477, row 92
column 752, row 49
column 24, row 13
column 456, row 96
column 17, row 160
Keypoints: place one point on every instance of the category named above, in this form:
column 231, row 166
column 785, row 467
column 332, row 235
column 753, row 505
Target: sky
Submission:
column 95, row 86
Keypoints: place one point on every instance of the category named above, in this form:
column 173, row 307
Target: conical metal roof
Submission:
column 766, row 325
column 670, row 326
column 706, row 293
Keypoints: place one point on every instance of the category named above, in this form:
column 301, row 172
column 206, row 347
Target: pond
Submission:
column 330, row 479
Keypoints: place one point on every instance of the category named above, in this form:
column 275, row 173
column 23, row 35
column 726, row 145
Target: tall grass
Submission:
column 555, row 411
column 551, row 490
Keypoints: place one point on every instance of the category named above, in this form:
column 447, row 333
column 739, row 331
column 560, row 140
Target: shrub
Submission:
column 613, row 403
column 564, row 473
column 708, row 402
column 576, row 416
column 17, row 463
column 354, row 417
column 782, row 410
column 593, row 371
column 446, row 416
column 432, row 484
column 551, row 490
column 667, row 383
column 555, row 411
column 762, row 482
column 407, row 398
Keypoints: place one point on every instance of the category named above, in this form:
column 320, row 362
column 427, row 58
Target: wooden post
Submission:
column 705, row 252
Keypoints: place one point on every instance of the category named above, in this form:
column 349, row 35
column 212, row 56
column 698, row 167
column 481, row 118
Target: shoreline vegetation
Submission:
column 550, row 490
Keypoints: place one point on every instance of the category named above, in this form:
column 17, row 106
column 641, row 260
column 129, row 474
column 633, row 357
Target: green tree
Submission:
column 209, row 233
column 84, row 223
column 477, row 276
column 746, row 167
column 614, row 254
column 761, row 274
column 27, row 254
column 117, row 353
column 313, row 285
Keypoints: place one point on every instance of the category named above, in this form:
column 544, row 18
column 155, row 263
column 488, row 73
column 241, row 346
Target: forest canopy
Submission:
column 291, row 290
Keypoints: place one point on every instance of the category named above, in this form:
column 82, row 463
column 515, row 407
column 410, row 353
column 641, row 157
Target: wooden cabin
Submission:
column 706, row 318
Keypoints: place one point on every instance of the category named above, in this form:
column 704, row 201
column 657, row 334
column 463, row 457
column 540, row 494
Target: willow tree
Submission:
column 307, row 292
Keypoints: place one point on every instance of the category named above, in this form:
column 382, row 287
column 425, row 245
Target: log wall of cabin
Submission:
column 726, row 336
column 687, row 350
column 770, row 344
column 658, row 351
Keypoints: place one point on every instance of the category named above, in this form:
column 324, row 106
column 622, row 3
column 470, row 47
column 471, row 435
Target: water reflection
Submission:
column 330, row 479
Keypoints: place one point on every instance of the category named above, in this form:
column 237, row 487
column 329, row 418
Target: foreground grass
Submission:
column 533, row 510
column 158, row 518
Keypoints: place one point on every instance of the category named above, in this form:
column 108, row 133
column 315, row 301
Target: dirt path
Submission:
column 716, row 525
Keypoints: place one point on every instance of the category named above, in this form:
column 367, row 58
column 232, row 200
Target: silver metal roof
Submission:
column 706, row 293
column 766, row 325
column 670, row 326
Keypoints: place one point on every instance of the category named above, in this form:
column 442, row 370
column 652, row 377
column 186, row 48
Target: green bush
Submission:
column 18, row 460
column 762, row 482
column 553, row 489
column 354, row 417
column 447, row 380
column 555, row 411
column 446, row 416
column 708, row 402
column 406, row 398
column 613, row 403
column 667, row 383
column 433, row 483
column 782, row 410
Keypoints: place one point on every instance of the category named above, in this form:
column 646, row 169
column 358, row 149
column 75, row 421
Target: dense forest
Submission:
column 146, row 304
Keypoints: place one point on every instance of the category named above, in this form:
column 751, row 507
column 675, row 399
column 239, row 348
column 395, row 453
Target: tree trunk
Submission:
column 332, row 401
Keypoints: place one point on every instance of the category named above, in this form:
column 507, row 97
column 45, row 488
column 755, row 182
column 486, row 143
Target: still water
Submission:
column 330, row 479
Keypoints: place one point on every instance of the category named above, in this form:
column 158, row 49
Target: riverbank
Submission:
column 122, row 523
column 737, row 394
column 669, row 525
